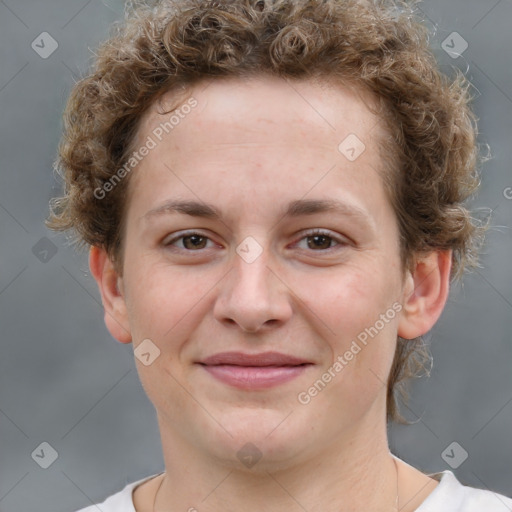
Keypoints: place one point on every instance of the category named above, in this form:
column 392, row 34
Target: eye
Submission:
column 190, row 241
column 319, row 240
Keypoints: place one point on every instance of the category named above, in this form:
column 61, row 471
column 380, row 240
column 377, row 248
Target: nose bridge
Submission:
column 250, row 272
column 252, row 296
column 251, row 286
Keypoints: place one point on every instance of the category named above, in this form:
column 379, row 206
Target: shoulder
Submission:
column 452, row 496
column 121, row 501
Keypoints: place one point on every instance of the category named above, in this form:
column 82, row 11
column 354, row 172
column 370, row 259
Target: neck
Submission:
column 356, row 472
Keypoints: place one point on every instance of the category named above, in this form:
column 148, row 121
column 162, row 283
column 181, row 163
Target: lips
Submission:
column 254, row 371
column 262, row 359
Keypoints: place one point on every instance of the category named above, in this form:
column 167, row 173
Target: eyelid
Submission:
column 340, row 240
column 174, row 237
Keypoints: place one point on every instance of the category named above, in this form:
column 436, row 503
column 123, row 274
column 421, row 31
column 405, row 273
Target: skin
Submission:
column 249, row 148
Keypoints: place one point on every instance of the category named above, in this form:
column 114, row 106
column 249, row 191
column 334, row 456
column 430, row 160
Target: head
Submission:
column 250, row 108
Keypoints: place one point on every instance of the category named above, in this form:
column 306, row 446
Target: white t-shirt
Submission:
column 449, row 496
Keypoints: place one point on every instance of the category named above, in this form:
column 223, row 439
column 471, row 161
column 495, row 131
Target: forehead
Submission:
column 224, row 135
column 330, row 111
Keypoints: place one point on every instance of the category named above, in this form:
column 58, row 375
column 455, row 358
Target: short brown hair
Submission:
column 379, row 46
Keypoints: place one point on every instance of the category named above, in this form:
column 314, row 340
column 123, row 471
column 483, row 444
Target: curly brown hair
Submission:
column 380, row 46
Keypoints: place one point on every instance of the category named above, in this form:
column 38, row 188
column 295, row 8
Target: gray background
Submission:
column 64, row 381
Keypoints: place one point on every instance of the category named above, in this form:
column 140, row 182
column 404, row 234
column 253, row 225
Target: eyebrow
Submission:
column 295, row 208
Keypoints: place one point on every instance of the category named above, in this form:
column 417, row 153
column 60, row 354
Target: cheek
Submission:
column 360, row 309
column 164, row 303
column 353, row 299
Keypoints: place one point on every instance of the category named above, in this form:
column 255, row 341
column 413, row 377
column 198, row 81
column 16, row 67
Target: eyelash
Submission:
column 311, row 233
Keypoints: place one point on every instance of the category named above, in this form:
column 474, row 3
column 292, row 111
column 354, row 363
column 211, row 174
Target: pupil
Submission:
column 194, row 239
column 316, row 238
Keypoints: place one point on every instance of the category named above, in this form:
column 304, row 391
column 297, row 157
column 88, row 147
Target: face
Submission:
column 273, row 293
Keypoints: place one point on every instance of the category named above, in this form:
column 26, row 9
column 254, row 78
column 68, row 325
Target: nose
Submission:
column 252, row 296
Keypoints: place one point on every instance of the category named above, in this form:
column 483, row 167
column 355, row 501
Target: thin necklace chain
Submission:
column 397, row 493
column 396, row 470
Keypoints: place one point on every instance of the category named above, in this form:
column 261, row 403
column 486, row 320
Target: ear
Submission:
column 425, row 293
column 110, row 285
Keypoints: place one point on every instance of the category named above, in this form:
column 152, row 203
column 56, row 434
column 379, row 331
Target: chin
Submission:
column 260, row 440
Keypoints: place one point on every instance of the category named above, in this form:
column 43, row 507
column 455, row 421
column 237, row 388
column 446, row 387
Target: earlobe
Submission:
column 425, row 293
column 110, row 285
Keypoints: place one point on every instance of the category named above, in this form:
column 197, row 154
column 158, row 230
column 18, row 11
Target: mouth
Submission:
column 254, row 371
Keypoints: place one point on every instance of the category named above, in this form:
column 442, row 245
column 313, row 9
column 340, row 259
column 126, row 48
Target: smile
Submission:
column 254, row 371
